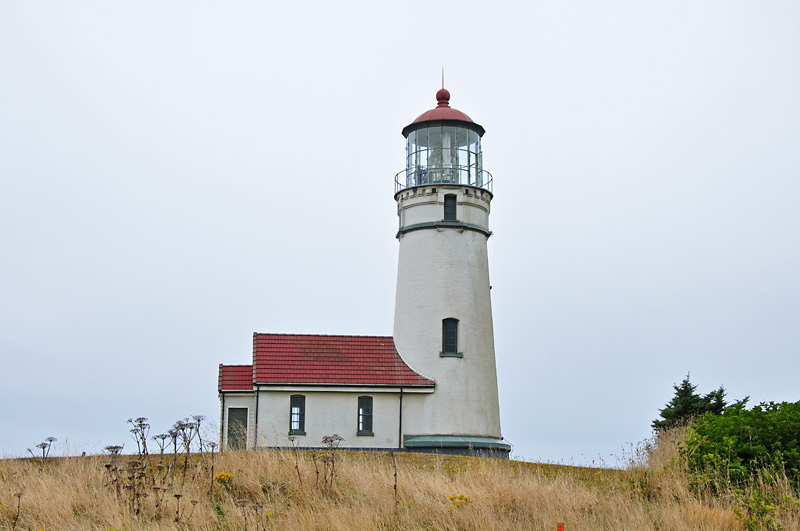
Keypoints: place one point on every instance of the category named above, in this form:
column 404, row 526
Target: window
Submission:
column 450, row 339
column 297, row 415
column 237, row 428
column 364, row 415
column 450, row 207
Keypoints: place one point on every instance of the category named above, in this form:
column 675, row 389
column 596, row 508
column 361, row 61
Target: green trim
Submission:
column 456, row 441
column 365, row 433
column 297, row 432
column 451, row 354
column 444, row 225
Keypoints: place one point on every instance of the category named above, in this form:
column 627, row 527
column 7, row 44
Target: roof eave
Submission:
column 444, row 122
column 339, row 384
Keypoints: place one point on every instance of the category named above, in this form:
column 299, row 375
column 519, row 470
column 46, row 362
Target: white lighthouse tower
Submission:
column 443, row 312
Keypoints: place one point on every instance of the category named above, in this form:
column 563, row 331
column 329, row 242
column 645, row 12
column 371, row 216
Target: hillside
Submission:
column 288, row 490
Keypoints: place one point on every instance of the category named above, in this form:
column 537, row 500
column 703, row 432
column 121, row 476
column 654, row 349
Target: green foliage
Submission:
column 757, row 512
column 688, row 404
column 741, row 445
column 641, row 484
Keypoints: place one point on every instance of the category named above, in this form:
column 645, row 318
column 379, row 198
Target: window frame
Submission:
column 299, row 402
column 450, row 207
column 450, row 339
column 365, row 416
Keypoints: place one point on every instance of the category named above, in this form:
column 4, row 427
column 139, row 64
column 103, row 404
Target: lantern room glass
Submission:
column 444, row 154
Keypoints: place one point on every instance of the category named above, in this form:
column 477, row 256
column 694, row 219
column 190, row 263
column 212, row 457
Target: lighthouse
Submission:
column 443, row 311
column 432, row 387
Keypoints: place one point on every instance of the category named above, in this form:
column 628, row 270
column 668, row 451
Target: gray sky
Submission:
column 175, row 176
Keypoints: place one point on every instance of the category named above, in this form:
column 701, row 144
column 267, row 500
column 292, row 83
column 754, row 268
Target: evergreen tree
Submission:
column 688, row 404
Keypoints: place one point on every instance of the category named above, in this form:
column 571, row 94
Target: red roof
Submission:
column 443, row 111
column 235, row 377
column 335, row 360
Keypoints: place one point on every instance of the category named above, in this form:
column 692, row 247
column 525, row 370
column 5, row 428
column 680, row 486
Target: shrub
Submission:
column 743, row 445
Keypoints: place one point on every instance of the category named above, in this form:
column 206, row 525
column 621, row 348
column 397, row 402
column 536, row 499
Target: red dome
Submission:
column 443, row 111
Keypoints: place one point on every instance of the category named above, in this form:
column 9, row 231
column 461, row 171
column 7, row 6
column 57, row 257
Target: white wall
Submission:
column 421, row 205
column 327, row 413
column 444, row 273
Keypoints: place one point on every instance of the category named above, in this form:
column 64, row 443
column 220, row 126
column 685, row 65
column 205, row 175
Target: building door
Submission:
column 237, row 428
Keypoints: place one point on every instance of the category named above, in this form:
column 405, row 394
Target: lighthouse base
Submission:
column 458, row 445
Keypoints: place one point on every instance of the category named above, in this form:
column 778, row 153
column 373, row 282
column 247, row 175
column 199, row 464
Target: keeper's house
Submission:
column 311, row 386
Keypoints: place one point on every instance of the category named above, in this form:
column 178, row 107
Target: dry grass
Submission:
column 434, row 492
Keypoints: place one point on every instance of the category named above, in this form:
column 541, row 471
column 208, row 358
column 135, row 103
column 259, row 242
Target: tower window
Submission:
column 365, row 415
column 450, row 339
column 450, row 207
column 297, row 415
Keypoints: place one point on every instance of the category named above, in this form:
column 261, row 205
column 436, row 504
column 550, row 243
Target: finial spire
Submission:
column 442, row 77
column 443, row 97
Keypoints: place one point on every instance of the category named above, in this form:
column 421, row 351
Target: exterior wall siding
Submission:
column 327, row 413
column 444, row 273
column 422, row 205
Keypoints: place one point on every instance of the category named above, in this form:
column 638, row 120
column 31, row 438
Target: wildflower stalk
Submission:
column 296, row 459
column 186, row 431
column 178, row 510
column 139, row 433
column 316, row 468
column 212, row 445
column 198, row 419
column 114, row 450
column 173, row 433
column 161, row 441
column 394, row 465
column 19, row 507
column 44, row 446
column 332, row 442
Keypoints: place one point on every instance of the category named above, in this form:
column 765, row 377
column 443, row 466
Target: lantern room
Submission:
column 443, row 146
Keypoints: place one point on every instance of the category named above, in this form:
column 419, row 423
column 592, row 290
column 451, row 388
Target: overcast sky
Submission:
column 175, row 176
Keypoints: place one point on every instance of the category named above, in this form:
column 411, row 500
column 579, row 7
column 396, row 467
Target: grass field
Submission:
column 288, row 490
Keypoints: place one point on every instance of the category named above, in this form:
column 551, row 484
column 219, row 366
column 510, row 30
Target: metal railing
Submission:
column 459, row 175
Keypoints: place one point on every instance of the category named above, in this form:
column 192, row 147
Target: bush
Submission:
column 742, row 445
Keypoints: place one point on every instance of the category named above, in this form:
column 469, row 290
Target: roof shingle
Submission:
column 337, row 360
column 235, row 378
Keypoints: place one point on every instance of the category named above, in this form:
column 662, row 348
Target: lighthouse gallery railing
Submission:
column 458, row 175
